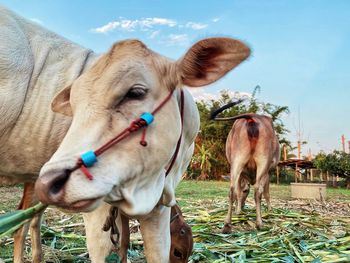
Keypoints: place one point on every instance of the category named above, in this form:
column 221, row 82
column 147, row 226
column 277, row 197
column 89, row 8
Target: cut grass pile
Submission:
column 295, row 231
column 288, row 237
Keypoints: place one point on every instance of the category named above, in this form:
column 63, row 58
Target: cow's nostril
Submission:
column 59, row 182
column 182, row 232
column 177, row 253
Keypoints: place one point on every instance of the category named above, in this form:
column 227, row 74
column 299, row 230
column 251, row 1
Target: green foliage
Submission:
column 12, row 221
column 336, row 163
column 286, row 176
column 209, row 160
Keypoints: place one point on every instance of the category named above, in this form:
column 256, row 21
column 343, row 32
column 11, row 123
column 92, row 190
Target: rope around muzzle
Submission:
column 88, row 159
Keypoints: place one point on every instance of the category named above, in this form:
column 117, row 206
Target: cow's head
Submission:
column 181, row 237
column 123, row 83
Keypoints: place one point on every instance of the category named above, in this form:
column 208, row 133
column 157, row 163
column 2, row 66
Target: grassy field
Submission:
column 214, row 190
column 296, row 230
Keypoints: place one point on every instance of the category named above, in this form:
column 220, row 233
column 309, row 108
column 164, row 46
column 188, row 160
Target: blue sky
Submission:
column 301, row 49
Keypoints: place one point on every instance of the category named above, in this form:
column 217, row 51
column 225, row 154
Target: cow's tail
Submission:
column 253, row 132
column 251, row 124
column 218, row 111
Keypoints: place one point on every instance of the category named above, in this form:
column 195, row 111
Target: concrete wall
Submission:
column 308, row 191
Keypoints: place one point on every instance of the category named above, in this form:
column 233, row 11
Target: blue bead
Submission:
column 147, row 117
column 89, row 158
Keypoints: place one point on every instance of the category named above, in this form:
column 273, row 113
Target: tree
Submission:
column 336, row 163
column 210, row 143
column 205, row 159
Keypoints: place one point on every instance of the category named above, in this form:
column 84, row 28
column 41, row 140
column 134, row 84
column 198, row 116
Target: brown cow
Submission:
column 252, row 149
column 180, row 231
column 181, row 237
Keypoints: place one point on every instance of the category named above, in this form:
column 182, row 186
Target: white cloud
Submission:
column 201, row 95
column 215, row 19
column 150, row 24
column 177, row 39
column 108, row 27
column 131, row 25
column 196, row 26
column 154, row 34
column 36, row 20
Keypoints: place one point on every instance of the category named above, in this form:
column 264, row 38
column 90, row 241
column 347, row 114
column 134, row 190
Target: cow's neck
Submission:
column 38, row 131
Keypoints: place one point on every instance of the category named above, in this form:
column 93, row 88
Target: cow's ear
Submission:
column 61, row 102
column 210, row 59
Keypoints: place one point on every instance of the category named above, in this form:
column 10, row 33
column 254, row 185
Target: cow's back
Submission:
column 268, row 141
column 16, row 66
column 35, row 64
column 250, row 139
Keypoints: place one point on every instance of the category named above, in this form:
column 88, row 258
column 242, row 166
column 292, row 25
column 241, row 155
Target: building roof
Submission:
column 305, row 164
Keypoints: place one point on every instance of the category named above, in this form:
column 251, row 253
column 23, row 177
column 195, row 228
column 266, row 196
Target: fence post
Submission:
column 312, row 175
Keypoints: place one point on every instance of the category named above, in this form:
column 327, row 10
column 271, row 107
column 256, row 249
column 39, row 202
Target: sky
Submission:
column 300, row 49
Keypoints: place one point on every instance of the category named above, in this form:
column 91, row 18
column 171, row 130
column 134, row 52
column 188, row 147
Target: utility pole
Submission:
column 299, row 134
column 343, row 142
column 285, row 152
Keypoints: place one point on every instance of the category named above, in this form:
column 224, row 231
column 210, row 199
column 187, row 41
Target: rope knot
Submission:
column 136, row 125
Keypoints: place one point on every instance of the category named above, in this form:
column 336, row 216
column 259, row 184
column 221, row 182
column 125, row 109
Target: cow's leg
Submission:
column 227, row 227
column 245, row 193
column 262, row 177
column 35, row 226
column 155, row 231
column 238, row 189
column 20, row 236
column 27, row 201
column 124, row 241
column 267, row 196
column 19, row 243
column 235, row 194
column 98, row 241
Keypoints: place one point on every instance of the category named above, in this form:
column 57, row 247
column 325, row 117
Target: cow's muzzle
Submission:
column 50, row 186
column 50, row 189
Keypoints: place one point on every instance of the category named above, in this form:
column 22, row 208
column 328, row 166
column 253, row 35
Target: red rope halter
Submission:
column 88, row 159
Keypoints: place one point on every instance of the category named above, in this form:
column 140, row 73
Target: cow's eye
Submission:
column 136, row 92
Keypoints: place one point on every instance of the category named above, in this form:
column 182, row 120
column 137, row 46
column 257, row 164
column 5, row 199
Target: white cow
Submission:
column 93, row 99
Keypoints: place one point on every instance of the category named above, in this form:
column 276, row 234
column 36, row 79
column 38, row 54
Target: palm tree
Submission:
column 205, row 161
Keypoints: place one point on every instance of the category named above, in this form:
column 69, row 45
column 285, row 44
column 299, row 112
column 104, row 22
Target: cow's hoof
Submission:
column 227, row 229
column 259, row 225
